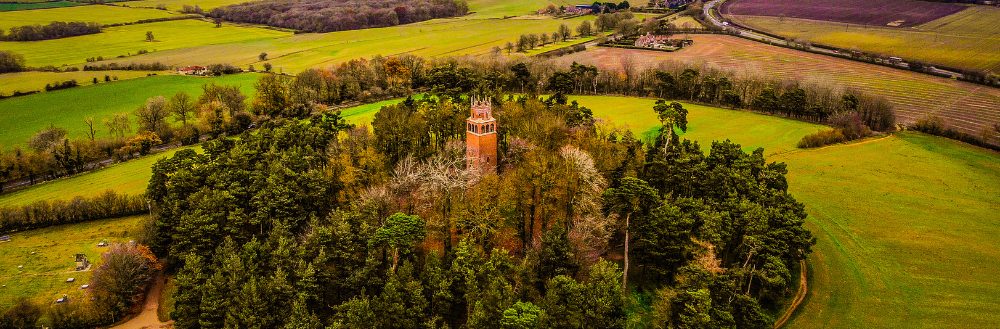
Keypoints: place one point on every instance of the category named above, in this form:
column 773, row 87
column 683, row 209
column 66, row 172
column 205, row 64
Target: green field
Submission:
column 907, row 225
column 130, row 39
column 36, row 80
column 130, row 177
column 435, row 38
column 21, row 117
column 969, row 39
column 43, row 276
column 24, row 6
column 93, row 13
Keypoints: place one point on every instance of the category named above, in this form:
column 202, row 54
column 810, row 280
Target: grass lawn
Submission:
column 21, row 117
column 36, row 80
column 130, row 39
column 43, row 276
column 968, row 39
column 93, row 13
column 130, row 177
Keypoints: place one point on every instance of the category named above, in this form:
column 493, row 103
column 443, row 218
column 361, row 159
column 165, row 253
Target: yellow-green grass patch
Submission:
column 47, row 257
column 705, row 123
column 36, row 80
column 552, row 46
column 91, row 13
column 969, row 39
column 23, row 116
column 130, row 39
column 435, row 38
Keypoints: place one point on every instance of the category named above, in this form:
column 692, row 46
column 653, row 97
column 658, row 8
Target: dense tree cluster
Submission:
column 11, row 61
column 329, row 15
column 314, row 223
column 54, row 30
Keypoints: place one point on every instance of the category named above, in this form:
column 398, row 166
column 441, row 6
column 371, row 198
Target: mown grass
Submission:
column 93, row 13
column 130, row 177
column 47, row 257
column 907, row 225
column 36, row 80
column 130, row 39
column 968, row 39
column 21, row 117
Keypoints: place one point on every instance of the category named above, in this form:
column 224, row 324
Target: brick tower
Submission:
column 481, row 136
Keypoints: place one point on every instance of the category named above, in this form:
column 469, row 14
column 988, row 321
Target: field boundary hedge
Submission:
column 58, row 212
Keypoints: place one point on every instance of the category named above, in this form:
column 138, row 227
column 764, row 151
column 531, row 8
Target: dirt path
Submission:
column 148, row 317
column 799, row 296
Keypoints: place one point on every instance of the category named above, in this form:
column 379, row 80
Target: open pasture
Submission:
column 21, row 117
column 434, row 38
column 130, row 39
column 36, row 80
column 91, row 13
column 969, row 39
column 865, row 12
column 47, row 257
column 906, row 225
column 177, row 5
column 968, row 107
column 30, row 5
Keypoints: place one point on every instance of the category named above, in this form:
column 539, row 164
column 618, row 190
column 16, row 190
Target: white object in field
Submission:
column 70, row 279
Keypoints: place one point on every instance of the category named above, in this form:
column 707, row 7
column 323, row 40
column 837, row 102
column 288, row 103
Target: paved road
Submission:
column 753, row 35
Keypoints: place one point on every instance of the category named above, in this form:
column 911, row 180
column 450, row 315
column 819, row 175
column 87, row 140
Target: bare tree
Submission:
column 91, row 132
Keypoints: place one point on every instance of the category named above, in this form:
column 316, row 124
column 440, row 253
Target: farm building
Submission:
column 193, row 70
column 650, row 40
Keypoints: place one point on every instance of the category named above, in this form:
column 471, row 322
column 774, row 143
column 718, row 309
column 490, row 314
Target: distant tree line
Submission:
column 155, row 66
column 47, row 213
column 328, row 16
column 54, row 30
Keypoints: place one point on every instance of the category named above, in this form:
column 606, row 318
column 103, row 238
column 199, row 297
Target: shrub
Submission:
column 822, row 138
column 120, row 282
column 24, row 314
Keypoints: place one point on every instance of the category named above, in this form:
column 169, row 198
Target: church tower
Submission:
column 481, row 136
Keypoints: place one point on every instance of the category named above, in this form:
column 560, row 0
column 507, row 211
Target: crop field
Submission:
column 434, row 38
column 130, row 177
column 968, row 107
column 22, row 6
column 47, row 257
column 21, row 117
column 92, row 13
column 177, row 5
column 969, row 39
column 866, row 12
column 36, row 80
column 130, row 39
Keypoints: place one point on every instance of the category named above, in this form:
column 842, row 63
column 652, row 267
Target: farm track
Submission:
column 968, row 107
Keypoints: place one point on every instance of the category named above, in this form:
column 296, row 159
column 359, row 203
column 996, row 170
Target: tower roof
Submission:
column 482, row 110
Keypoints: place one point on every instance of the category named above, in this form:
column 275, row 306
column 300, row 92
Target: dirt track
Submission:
column 800, row 296
column 148, row 317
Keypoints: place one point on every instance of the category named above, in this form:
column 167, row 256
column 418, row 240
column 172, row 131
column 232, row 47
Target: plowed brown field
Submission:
column 968, row 107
